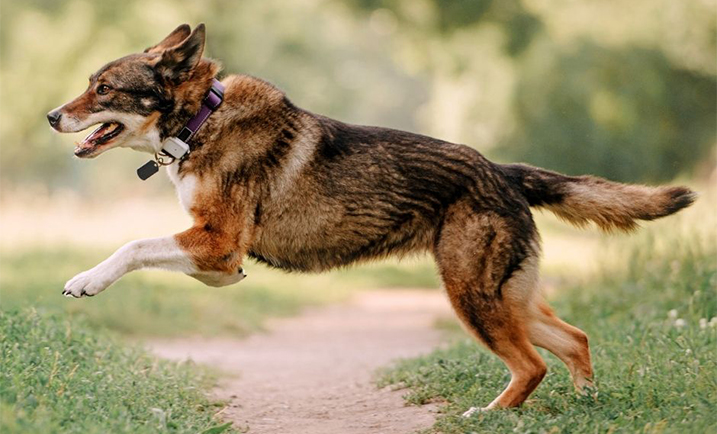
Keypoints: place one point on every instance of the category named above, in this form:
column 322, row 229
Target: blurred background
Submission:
column 624, row 90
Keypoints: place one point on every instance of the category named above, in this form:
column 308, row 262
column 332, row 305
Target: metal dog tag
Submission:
column 148, row 169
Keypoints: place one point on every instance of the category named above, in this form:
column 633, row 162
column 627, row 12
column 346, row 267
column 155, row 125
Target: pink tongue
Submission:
column 96, row 134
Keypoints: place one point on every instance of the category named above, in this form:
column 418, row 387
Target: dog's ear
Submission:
column 178, row 35
column 177, row 62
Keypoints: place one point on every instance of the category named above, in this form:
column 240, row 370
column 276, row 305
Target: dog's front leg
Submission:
column 163, row 252
column 206, row 256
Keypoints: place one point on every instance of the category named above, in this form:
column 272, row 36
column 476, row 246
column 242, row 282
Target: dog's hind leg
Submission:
column 568, row 343
column 488, row 264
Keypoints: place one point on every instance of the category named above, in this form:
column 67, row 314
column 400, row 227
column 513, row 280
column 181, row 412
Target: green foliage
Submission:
column 627, row 93
column 636, row 105
column 442, row 18
column 626, row 114
column 655, row 368
column 64, row 376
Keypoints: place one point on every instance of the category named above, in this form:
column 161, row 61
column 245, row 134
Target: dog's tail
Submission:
column 583, row 199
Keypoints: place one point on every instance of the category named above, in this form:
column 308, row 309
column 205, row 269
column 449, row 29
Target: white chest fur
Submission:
column 185, row 186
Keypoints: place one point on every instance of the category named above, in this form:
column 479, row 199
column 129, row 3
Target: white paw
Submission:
column 87, row 283
column 471, row 411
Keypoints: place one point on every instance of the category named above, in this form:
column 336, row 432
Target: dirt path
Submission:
column 313, row 373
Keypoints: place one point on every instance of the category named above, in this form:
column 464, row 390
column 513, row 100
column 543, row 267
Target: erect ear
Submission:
column 177, row 62
column 178, row 35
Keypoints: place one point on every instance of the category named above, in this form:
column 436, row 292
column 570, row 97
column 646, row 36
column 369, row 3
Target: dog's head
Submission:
column 139, row 100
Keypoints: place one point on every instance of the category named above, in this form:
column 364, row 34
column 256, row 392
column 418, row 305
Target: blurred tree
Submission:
column 441, row 18
column 465, row 49
column 626, row 114
column 621, row 89
column 592, row 89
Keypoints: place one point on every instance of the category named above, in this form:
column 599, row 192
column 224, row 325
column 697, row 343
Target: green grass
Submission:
column 653, row 375
column 64, row 376
column 66, row 369
column 160, row 303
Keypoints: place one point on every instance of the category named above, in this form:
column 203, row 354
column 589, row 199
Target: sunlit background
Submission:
column 625, row 90
column 619, row 89
column 622, row 89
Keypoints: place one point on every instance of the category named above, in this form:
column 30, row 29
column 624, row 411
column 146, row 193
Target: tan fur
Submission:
column 611, row 205
column 501, row 322
column 567, row 342
column 149, row 123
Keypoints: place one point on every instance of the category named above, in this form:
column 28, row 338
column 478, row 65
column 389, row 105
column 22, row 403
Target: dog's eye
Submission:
column 103, row 89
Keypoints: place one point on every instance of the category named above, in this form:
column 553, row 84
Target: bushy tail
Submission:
column 583, row 199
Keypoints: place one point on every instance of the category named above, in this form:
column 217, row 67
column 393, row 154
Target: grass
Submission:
column 65, row 376
column 647, row 314
column 159, row 303
column 66, row 368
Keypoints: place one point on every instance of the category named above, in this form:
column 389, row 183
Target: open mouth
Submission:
column 104, row 134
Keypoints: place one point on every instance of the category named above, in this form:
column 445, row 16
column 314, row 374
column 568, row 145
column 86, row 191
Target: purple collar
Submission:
column 211, row 102
column 176, row 148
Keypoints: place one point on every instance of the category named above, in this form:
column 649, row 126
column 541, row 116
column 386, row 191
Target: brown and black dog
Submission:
column 302, row 192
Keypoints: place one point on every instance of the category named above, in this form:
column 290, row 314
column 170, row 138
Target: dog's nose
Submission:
column 54, row 118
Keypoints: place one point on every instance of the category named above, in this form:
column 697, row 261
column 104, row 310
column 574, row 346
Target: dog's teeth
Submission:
column 101, row 131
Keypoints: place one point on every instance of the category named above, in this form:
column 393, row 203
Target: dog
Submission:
column 302, row 192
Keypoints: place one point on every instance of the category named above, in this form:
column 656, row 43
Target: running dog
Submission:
column 302, row 192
